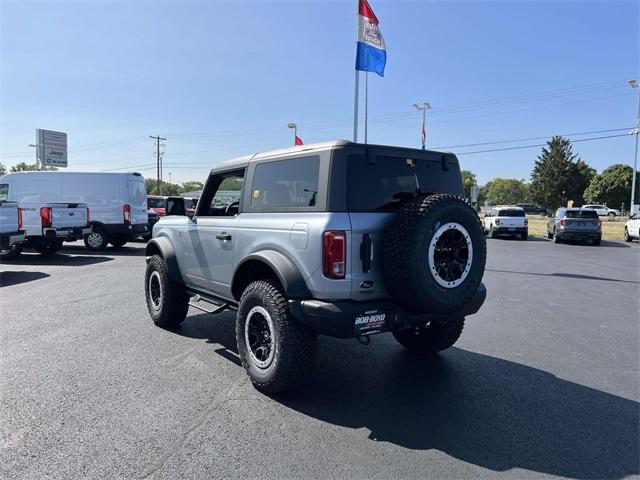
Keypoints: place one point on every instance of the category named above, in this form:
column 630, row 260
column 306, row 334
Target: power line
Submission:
column 540, row 145
column 157, row 139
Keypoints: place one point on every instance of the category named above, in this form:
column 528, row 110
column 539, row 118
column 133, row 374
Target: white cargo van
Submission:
column 117, row 201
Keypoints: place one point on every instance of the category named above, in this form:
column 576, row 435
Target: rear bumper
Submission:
column 127, row 231
column 510, row 230
column 69, row 234
column 338, row 319
column 8, row 239
column 577, row 235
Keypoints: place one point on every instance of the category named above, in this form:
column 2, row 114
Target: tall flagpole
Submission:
column 356, row 92
column 355, row 107
column 366, row 105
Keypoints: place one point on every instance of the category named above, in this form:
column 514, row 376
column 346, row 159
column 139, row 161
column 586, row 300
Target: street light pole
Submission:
column 424, row 106
column 636, row 132
column 295, row 131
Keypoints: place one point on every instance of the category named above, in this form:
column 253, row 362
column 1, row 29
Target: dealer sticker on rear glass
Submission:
column 373, row 321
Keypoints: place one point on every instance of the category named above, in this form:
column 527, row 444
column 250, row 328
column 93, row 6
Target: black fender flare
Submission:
column 162, row 246
column 288, row 275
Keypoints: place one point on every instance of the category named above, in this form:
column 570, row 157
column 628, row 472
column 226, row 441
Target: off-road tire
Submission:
column 11, row 254
column 627, row 237
column 46, row 247
column 295, row 345
column 118, row 242
column 431, row 338
column 406, row 258
column 171, row 309
column 97, row 240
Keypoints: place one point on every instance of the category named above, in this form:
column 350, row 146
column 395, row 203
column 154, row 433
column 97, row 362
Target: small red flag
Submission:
column 298, row 141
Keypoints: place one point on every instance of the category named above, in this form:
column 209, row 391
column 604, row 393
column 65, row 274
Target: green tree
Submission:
column 29, row 167
column 559, row 170
column 191, row 186
column 165, row 187
column 3, row 169
column 468, row 180
column 612, row 187
column 506, row 191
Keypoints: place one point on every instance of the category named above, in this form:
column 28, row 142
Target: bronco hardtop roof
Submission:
column 243, row 161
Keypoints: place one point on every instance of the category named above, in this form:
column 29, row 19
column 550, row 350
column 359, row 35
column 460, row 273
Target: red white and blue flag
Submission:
column 372, row 54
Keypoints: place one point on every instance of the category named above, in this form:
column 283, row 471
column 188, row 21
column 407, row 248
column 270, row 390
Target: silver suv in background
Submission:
column 579, row 224
column 339, row 239
column 603, row 210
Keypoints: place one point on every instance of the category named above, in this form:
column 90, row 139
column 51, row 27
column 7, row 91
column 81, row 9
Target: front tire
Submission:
column 277, row 351
column 612, row 214
column 11, row 254
column 430, row 338
column 167, row 300
column 96, row 240
column 627, row 237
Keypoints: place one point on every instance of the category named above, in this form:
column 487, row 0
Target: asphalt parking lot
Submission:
column 544, row 381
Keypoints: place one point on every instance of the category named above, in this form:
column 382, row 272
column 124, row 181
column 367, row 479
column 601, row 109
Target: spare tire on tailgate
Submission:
column 434, row 254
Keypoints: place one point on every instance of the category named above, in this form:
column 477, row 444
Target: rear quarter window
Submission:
column 286, row 183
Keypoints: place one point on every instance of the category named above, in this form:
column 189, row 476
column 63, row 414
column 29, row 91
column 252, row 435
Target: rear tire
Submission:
column 96, row 240
column 276, row 350
column 597, row 241
column 549, row 235
column 556, row 238
column 11, row 254
column 431, row 338
column 167, row 301
column 492, row 232
column 47, row 247
column 524, row 236
column 118, row 242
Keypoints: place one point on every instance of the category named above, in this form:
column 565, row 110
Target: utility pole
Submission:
column 636, row 132
column 424, row 106
column 157, row 139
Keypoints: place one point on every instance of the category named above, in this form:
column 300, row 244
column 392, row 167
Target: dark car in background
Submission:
column 168, row 205
column 580, row 224
column 533, row 209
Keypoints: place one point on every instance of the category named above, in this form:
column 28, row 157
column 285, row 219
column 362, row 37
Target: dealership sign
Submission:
column 52, row 148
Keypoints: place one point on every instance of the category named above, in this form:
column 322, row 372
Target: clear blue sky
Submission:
column 221, row 79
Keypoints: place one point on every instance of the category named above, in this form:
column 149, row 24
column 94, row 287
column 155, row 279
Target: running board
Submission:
column 219, row 307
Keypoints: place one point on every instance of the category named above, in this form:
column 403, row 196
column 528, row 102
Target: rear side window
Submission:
column 581, row 214
column 157, row 202
column 511, row 212
column 286, row 183
column 4, row 191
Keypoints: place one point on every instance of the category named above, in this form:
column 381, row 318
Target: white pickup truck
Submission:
column 510, row 221
column 11, row 233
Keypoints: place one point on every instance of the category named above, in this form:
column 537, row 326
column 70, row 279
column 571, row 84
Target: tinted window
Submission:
column 286, row 183
column 581, row 214
column 511, row 212
column 157, row 202
column 386, row 183
column 4, row 191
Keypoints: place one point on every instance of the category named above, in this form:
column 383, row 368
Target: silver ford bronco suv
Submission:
column 338, row 238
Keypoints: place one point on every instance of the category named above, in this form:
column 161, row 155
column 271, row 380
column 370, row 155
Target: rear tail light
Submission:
column 334, row 254
column 497, row 221
column 126, row 212
column 563, row 222
column 19, row 219
column 88, row 216
column 45, row 217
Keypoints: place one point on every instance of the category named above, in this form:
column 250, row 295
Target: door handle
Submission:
column 223, row 236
